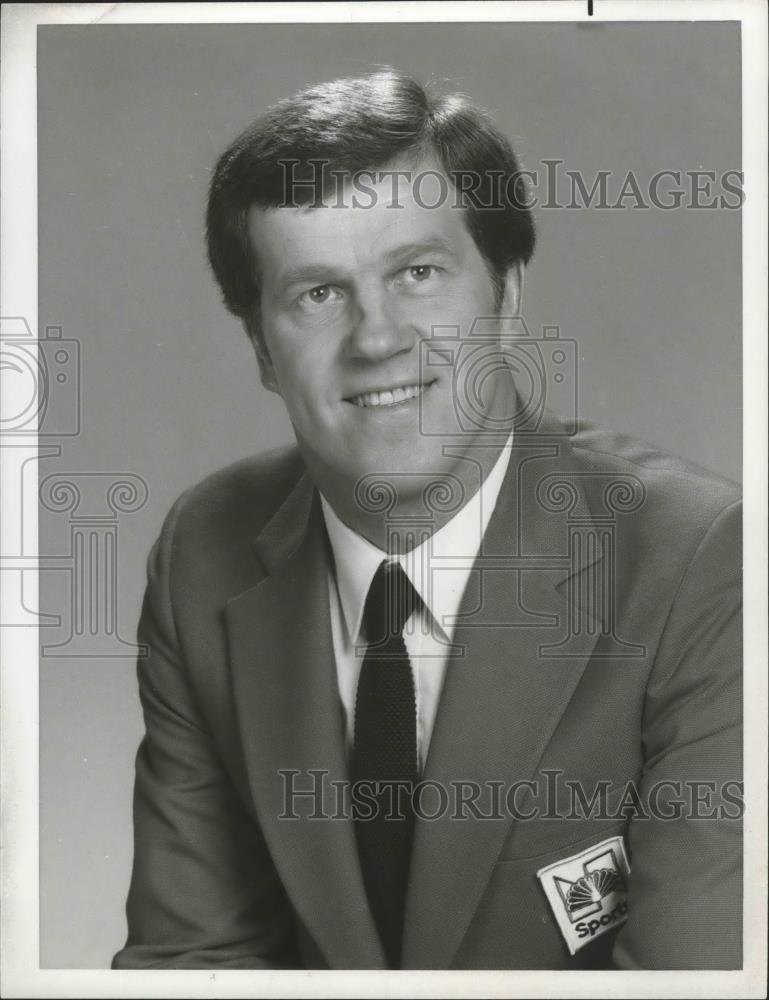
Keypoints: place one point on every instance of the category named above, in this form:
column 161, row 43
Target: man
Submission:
column 454, row 683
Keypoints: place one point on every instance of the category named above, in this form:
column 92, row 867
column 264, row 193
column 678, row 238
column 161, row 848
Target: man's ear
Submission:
column 512, row 292
column 266, row 370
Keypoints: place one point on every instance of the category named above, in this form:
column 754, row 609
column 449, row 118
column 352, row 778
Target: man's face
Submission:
column 348, row 296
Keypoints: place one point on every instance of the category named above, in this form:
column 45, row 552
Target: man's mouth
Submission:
column 390, row 397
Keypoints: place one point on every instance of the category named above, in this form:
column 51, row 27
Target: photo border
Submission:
column 21, row 975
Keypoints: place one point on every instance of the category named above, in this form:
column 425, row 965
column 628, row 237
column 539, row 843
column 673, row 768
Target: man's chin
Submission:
column 403, row 461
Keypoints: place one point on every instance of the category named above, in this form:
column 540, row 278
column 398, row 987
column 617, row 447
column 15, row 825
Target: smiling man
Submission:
column 454, row 682
column 347, row 296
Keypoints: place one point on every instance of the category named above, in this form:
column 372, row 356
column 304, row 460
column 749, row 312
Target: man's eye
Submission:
column 421, row 272
column 320, row 294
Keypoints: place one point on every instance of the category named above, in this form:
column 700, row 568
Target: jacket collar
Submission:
column 453, row 547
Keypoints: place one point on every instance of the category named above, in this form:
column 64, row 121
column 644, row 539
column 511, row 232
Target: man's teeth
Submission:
column 389, row 396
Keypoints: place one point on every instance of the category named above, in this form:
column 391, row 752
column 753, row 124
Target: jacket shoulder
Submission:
column 676, row 511
column 239, row 499
column 668, row 480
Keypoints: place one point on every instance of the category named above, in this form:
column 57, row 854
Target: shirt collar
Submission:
column 441, row 587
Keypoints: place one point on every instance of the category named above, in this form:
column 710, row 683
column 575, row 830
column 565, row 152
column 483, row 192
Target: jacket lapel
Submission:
column 291, row 719
column 504, row 691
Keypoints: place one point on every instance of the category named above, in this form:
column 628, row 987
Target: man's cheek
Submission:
column 451, row 308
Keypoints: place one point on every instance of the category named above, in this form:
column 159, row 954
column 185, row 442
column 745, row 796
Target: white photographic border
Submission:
column 21, row 975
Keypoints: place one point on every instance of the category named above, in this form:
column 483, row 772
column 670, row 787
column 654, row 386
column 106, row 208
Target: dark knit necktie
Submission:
column 385, row 752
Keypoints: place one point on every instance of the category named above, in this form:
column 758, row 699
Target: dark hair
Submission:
column 351, row 125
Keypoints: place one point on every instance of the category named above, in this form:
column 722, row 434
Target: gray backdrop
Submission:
column 131, row 120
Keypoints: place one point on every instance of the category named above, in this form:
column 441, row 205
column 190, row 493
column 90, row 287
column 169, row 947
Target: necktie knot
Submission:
column 390, row 603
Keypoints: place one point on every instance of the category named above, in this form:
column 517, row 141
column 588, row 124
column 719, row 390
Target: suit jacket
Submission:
column 599, row 642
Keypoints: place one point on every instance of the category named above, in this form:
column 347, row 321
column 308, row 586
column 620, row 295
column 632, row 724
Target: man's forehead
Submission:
column 420, row 181
column 400, row 203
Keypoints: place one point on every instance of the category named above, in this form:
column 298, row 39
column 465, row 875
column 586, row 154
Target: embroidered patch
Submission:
column 588, row 891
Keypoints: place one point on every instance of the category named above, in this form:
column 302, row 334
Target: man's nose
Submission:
column 379, row 329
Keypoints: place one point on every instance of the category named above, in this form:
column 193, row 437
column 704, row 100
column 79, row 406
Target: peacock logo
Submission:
column 591, row 889
column 588, row 892
column 600, row 881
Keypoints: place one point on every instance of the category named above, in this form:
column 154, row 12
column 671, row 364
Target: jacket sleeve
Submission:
column 685, row 891
column 204, row 892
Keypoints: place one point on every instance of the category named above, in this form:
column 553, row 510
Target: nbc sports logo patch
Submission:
column 588, row 891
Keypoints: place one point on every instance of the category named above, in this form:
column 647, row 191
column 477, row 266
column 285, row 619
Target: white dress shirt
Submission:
column 438, row 569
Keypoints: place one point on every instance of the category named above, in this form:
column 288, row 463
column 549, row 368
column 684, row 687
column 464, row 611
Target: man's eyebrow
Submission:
column 410, row 250
column 319, row 273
